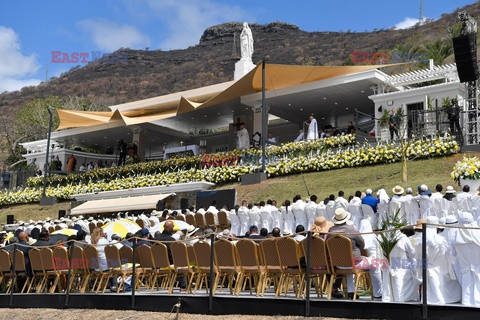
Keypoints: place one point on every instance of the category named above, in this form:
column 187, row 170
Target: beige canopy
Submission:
column 119, row 204
column 277, row 76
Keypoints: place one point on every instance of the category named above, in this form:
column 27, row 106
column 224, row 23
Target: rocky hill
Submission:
column 152, row 73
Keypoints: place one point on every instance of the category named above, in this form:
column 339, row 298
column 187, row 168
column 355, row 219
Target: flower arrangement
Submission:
column 290, row 149
column 190, row 170
column 467, row 168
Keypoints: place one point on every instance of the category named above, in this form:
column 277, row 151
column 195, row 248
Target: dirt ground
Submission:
column 77, row 314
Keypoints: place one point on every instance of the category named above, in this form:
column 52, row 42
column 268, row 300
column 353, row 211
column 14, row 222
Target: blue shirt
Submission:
column 371, row 201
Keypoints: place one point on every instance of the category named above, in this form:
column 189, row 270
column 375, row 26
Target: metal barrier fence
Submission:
column 294, row 271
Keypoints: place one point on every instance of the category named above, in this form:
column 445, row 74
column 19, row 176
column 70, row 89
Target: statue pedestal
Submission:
column 242, row 67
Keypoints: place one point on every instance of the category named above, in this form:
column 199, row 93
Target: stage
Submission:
column 223, row 304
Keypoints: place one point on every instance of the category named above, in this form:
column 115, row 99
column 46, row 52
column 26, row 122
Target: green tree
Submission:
column 439, row 50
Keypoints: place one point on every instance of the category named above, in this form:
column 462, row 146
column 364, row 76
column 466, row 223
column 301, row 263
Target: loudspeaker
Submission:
column 221, row 197
column 10, row 218
column 183, row 203
column 61, row 213
column 160, row 205
column 465, row 49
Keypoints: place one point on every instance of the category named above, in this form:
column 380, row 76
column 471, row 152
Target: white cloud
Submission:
column 406, row 23
column 187, row 19
column 110, row 36
column 16, row 69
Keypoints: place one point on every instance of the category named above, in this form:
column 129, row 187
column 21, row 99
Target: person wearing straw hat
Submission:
column 396, row 204
column 449, row 193
column 321, row 226
column 425, row 201
column 340, row 219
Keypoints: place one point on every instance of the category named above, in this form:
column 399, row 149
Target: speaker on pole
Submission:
column 10, row 219
column 61, row 214
column 183, row 203
column 465, row 49
column 160, row 205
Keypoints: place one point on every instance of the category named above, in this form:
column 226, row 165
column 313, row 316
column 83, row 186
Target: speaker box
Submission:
column 465, row 49
column 183, row 203
column 10, row 218
column 221, row 197
column 160, row 205
column 61, row 213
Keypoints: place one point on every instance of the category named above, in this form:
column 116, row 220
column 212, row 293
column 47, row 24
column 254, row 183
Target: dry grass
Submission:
column 322, row 184
column 32, row 211
column 76, row 314
column 428, row 171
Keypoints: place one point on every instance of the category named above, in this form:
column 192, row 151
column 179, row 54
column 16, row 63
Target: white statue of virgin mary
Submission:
column 246, row 43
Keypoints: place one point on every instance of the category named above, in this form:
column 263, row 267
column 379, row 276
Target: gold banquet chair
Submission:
column 144, row 253
column 20, row 271
column 181, row 263
column 51, row 270
column 223, row 220
column 94, row 266
column 80, row 274
column 162, row 265
column 342, row 264
column 250, row 266
column 118, row 270
column 200, row 221
column 39, row 278
column 289, row 254
column 227, row 265
column 271, row 261
column 210, row 220
column 202, row 254
column 319, row 265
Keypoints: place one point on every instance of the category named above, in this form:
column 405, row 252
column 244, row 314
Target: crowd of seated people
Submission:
column 451, row 278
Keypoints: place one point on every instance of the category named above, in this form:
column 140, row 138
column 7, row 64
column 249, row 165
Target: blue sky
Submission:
column 31, row 30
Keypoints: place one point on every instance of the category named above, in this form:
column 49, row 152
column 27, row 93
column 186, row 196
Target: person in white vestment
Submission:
column 312, row 129
column 288, row 216
column 311, row 211
column 382, row 206
column 266, row 216
column 461, row 200
column 244, row 217
column 357, row 198
column 235, row 222
column 255, row 217
column 271, row 138
column 412, row 210
column 467, row 245
column 298, row 209
column 300, row 137
column 277, row 220
column 330, row 207
column 372, row 245
column 400, row 282
column 243, row 138
column 321, row 209
column 425, row 201
column 450, row 235
column 442, row 284
column 396, row 204
column 340, row 201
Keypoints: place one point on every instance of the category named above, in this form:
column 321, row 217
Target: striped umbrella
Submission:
column 120, row 227
column 177, row 225
column 65, row 232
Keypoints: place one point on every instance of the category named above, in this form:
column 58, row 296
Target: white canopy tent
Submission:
column 119, row 204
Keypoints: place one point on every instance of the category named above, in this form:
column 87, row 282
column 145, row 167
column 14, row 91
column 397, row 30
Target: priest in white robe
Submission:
column 442, row 284
column 243, row 138
column 400, row 282
column 244, row 217
column 467, row 245
column 312, row 129
column 288, row 217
